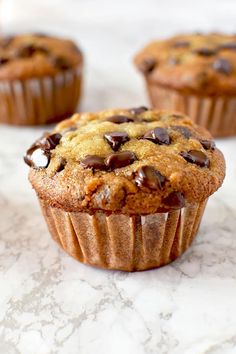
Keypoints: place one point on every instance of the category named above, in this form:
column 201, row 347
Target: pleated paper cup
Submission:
column 216, row 114
column 123, row 242
column 40, row 100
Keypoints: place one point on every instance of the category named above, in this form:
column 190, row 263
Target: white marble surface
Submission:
column 51, row 304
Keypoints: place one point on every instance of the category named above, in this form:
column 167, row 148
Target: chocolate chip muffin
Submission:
column 125, row 189
column 40, row 79
column 195, row 74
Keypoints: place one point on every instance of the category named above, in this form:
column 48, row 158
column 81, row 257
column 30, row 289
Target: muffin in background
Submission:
column 125, row 189
column 194, row 74
column 40, row 79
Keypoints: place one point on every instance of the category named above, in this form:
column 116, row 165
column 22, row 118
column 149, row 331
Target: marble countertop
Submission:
column 51, row 304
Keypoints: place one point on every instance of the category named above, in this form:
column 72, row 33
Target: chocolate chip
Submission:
column 28, row 50
column 120, row 159
column 138, row 110
column 227, row 45
column 147, row 65
column 116, row 139
column 61, row 166
column 61, row 63
column 37, row 157
column 223, row 66
column 158, row 136
column 4, row 60
column 50, row 142
column 181, row 43
column 175, row 200
column 118, row 119
column 148, row 176
column 208, row 144
column 182, row 130
column 205, row 52
column 95, row 162
column 197, row 157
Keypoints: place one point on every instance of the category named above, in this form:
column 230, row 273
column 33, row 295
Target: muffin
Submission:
column 40, row 79
column 194, row 74
column 125, row 189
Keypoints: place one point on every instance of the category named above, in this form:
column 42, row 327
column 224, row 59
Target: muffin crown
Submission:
column 135, row 161
column 35, row 55
column 198, row 63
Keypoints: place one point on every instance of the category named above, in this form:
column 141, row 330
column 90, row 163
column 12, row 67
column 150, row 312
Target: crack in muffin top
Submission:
column 198, row 63
column 135, row 161
column 35, row 55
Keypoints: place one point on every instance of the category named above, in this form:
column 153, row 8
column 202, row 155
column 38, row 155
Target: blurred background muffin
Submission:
column 195, row 74
column 40, row 78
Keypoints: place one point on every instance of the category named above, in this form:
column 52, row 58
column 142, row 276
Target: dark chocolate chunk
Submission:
column 158, row 136
column 148, row 176
column 118, row 119
column 61, row 166
column 95, row 162
column 28, row 50
column 222, row 66
column 227, row 45
column 205, row 52
column 4, row 60
column 37, row 158
column 175, row 200
column 147, row 65
column 61, row 63
column 116, row 139
column 196, row 157
column 208, row 144
column 138, row 110
column 181, row 43
column 50, row 142
column 120, row 159
column 182, row 130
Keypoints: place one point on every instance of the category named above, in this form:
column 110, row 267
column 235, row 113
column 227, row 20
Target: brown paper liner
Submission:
column 40, row 100
column 216, row 114
column 123, row 242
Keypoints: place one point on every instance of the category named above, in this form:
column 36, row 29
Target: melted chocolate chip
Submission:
column 61, row 63
column 37, row 157
column 158, row 136
column 118, row 119
column 181, row 43
column 120, row 159
column 196, row 157
column 95, row 162
column 50, row 142
column 205, row 52
column 182, row 130
column 138, row 110
column 28, row 50
column 147, row 65
column 116, row 139
column 208, row 144
column 222, row 66
column 147, row 176
column 227, row 45
column 61, row 166
column 174, row 200
column 4, row 60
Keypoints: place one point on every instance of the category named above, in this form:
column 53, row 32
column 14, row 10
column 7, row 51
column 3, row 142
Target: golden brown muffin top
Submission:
column 203, row 64
column 135, row 161
column 35, row 55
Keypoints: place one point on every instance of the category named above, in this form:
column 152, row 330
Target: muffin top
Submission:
column 203, row 64
column 128, row 161
column 36, row 55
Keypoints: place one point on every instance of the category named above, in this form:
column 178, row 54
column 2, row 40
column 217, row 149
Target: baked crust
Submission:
column 67, row 184
column 202, row 64
column 36, row 55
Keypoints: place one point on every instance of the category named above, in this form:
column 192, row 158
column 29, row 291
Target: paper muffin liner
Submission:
column 216, row 114
column 123, row 242
column 40, row 100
